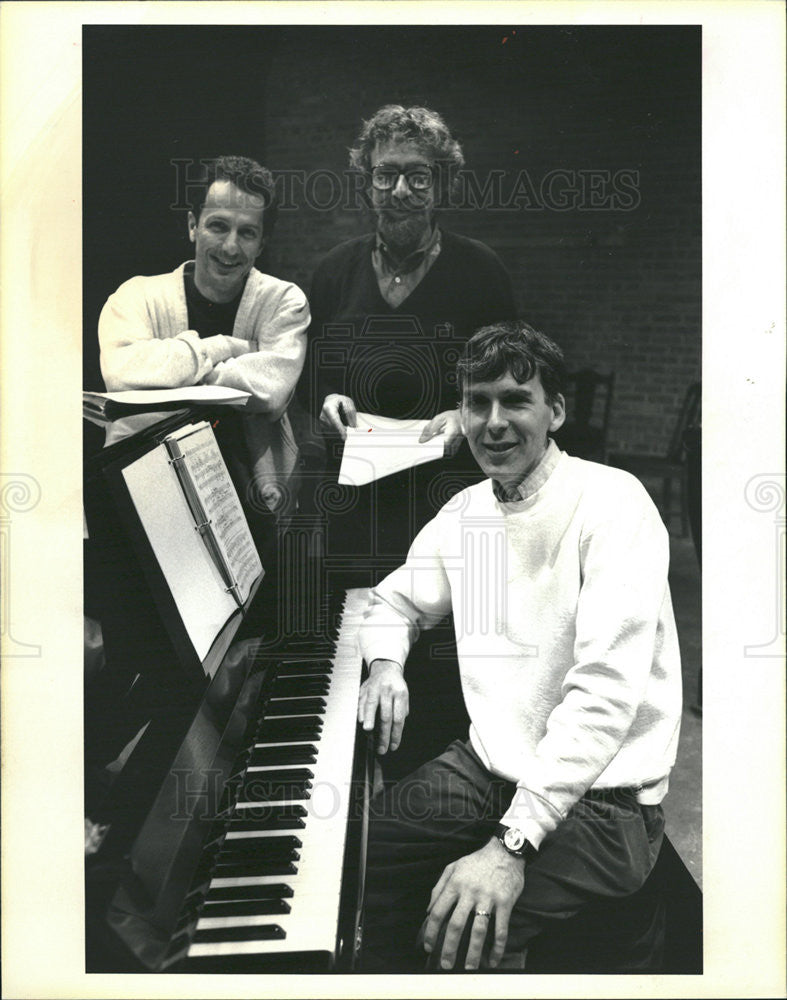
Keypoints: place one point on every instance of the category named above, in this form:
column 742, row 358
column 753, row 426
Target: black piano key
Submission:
column 279, row 730
column 197, row 892
column 217, row 828
column 295, row 706
column 271, row 756
column 305, row 734
column 278, row 792
column 280, row 774
column 289, row 668
column 257, row 783
column 300, row 687
column 251, row 869
column 259, row 847
column 300, row 681
column 205, row 865
column 295, row 687
column 268, row 816
column 228, row 796
column 274, row 890
column 179, row 943
column 258, row 932
column 215, row 841
column 231, row 788
column 246, row 908
column 239, row 766
column 255, row 849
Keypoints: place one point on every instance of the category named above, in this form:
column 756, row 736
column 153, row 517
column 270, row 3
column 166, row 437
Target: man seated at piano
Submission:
column 217, row 320
column 556, row 571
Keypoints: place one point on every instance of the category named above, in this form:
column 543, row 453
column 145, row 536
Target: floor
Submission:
column 683, row 805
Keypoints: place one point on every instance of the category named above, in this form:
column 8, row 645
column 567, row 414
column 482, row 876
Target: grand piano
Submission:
column 226, row 796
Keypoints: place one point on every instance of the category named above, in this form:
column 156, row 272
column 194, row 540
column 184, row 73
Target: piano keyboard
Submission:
column 275, row 882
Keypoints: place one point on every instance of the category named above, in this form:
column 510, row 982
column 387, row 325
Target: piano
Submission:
column 252, row 856
column 241, row 848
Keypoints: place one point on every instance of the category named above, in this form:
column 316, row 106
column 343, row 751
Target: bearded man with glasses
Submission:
column 390, row 313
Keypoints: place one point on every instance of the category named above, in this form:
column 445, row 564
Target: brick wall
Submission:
column 618, row 288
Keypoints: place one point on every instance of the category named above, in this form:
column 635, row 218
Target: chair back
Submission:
column 588, row 405
column 687, row 417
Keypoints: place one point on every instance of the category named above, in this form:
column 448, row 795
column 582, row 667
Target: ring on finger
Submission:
column 483, row 913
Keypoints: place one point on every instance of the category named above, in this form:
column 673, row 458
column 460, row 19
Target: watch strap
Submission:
column 525, row 850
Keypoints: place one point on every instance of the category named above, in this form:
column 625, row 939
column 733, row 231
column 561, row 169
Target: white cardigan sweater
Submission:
column 566, row 638
column 146, row 344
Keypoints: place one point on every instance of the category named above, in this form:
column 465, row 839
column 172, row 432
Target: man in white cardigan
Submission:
column 556, row 571
column 217, row 320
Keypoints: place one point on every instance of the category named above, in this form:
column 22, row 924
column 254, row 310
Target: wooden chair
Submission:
column 589, row 403
column 671, row 467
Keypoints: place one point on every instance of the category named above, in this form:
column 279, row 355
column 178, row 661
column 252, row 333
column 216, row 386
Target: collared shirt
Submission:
column 533, row 482
column 398, row 278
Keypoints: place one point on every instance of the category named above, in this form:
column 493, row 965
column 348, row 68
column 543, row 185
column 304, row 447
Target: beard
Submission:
column 403, row 233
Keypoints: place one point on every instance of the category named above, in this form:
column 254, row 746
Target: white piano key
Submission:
column 284, row 743
column 262, row 834
column 312, row 924
column 257, row 920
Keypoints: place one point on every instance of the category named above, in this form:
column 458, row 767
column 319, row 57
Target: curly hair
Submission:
column 515, row 347
column 245, row 174
column 422, row 126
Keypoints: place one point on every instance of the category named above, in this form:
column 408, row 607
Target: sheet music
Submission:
column 220, row 502
column 379, row 446
column 194, row 580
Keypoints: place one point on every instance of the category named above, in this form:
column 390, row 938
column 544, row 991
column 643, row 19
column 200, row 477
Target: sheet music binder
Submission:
column 202, row 522
column 164, row 586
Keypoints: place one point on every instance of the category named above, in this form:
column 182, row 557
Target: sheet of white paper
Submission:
column 380, row 446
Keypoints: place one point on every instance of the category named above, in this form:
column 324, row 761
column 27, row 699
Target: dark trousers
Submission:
column 604, row 849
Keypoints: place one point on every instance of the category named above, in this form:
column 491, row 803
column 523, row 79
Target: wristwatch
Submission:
column 515, row 842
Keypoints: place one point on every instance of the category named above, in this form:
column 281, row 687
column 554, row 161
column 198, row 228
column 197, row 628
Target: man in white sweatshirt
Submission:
column 556, row 571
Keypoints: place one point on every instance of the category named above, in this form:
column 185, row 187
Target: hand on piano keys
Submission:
column 384, row 700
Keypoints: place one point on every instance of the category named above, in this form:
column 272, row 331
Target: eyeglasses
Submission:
column 418, row 178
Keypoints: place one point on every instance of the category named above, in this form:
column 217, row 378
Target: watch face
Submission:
column 513, row 839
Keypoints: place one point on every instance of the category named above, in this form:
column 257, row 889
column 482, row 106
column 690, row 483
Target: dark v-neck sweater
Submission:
column 400, row 361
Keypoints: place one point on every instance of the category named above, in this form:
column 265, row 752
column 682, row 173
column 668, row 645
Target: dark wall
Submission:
column 153, row 96
column 594, row 134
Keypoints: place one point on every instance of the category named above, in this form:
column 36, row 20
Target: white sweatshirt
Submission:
column 568, row 652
